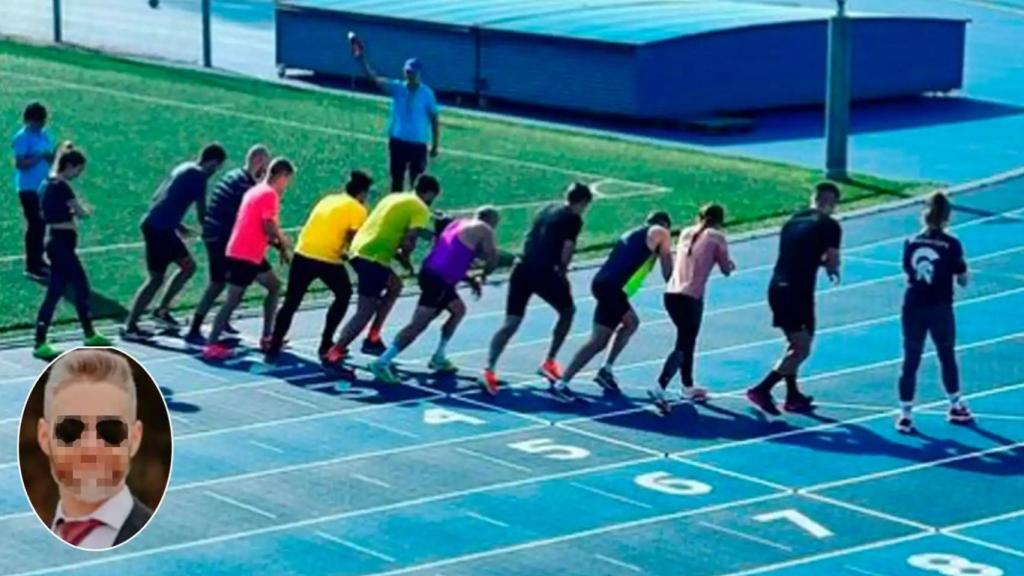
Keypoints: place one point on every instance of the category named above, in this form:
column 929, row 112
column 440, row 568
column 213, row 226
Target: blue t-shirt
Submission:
column 411, row 111
column 225, row 200
column 185, row 186
column 31, row 142
column 932, row 260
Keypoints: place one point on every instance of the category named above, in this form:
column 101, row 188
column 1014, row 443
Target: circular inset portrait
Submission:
column 95, row 448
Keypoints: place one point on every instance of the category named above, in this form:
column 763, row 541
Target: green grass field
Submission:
column 135, row 121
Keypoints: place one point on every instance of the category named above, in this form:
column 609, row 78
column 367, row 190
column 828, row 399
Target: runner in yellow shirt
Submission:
column 389, row 234
column 320, row 255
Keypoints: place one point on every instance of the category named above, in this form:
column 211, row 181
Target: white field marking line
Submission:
column 832, row 554
column 912, row 468
column 369, row 480
column 611, row 495
column 745, row 536
column 878, row 261
column 344, row 515
column 267, row 447
column 486, row 519
column 856, row 570
column 386, row 428
column 203, row 374
column 571, row 537
column 493, row 460
column 241, row 505
column 354, row 546
column 287, row 398
column 987, row 544
column 619, row 563
column 983, row 521
column 871, row 512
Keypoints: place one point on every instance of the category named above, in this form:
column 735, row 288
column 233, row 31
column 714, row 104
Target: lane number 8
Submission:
column 952, row 565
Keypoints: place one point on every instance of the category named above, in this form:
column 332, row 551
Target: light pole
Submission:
column 837, row 107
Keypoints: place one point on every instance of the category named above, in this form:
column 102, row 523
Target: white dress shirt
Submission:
column 113, row 513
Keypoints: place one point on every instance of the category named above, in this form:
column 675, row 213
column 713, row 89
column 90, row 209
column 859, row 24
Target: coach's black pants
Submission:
column 686, row 313
column 919, row 323
column 66, row 272
column 35, row 231
column 406, row 156
column 304, row 271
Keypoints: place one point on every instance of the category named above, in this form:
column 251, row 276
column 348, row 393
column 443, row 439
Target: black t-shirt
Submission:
column 804, row 240
column 56, row 195
column 224, row 203
column 185, row 186
column 552, row 227
column 932, row 260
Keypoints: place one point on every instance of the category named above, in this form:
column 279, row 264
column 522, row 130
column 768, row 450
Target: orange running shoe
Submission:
column 551, row 370
column 489, row 382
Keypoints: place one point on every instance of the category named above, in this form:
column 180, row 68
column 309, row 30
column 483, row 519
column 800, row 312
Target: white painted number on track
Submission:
column 439, row 416
column 952, row 565
column 798, row 518
column 547, row 448
column 668, row 484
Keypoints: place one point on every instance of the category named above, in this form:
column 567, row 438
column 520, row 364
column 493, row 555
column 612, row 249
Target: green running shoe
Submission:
column 47, row 352
column 384, row 373
column 98, row 340
column 442, row 365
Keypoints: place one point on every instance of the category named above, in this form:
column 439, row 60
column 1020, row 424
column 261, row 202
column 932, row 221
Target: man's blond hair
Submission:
column 89, row 366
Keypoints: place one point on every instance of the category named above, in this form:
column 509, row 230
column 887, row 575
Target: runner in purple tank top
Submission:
column 448, row 264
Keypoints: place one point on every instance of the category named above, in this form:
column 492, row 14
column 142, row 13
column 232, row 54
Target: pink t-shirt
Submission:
column 692, row 268
column 249, row 240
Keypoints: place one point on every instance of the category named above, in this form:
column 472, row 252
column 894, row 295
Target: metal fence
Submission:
column 236, row 35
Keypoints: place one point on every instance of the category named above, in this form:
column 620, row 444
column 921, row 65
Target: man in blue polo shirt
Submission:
column 33, row 153
column 415, row 129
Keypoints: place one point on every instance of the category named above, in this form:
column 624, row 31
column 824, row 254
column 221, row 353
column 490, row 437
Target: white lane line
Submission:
column 266, row 447
column 356, row 547
column 241, row 505
column 987, row 544
column 871, row 512
column 492, row 459
column 984, row 521
column 827, row 555
column 207, row 374
column 371, row 480
column 978, row 415
column 856, row 570
column 287, row 398
column 386, row 428
column 745, row 536
column 180, row 418
column 486, row 519
column 879, row 261
column 611, row 495
column 619, row 563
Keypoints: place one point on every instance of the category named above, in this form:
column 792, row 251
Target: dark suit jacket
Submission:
column 136, row 521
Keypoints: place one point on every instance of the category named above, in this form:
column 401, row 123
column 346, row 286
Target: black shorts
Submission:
column 243, row 273
column 373, row 277
column 612, row 305
column 526, row 281
column 216, row 255
column 792, row 309
column 163, row 248
column 435, row 292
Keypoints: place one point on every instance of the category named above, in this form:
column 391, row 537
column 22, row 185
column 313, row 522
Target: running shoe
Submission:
column 660, row 399
column 97, row 340
column 561, row 392
column 904, row 425
column 384, row 373
column 959, row 414
column 217, row 352
column 799, row 403
column 267, row 345
column 47, row 352
column 763, row 401
column 442, row 365
column 374, row 347
column 165, row 321
column 489, row 382
column 195, row 339
column 696, row 394
column 136, row 334
column 606, row 380
column 230, row 330
column 551, row 370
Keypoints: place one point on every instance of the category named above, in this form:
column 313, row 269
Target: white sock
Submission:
column 954, row 400
column 441, row 346
column 389, row 355
column 906, row 408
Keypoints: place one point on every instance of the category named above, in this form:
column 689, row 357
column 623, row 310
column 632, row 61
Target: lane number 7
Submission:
column 799, row 518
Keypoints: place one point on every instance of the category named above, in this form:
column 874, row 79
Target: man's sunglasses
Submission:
column 112, row 430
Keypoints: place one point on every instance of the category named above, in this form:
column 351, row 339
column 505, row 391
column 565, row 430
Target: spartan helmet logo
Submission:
column 924, row 260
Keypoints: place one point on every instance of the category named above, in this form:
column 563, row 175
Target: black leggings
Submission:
column 35, row 230
column 304, row 271
column 66, row 272
column 686, row 313
column 918, row 323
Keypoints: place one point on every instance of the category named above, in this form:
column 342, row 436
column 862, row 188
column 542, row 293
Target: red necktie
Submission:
column 73, row 532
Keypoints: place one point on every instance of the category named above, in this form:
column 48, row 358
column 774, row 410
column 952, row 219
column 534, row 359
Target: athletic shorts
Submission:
column 612, row 305
column 163, row 248
column 435, row 292
column 218, row 260
column 792, row 310
column 526, row 281
column 243, row 273
column 373, row 277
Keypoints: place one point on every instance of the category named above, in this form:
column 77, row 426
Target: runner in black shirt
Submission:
column 932, row 260
column 220, row 219
column 541, row 270
column 810, row 239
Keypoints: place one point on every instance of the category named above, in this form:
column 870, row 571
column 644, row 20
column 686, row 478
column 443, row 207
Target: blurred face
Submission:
column 282, row 182
column 258, row 166
column 90, row 439
column 827, row 202
column 37, row 124
column 74, row 172
column 412, row 77
column 580, row 207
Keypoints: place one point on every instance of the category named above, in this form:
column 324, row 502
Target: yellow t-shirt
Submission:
column 378, row 240
column 329, row 227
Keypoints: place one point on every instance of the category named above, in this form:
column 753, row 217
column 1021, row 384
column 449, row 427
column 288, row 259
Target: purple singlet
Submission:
column 450, row 258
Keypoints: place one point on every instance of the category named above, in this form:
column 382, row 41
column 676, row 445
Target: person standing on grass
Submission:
column 60, row 209
column 620, row 277
column 320, row 255
column 390, row 233
column 700, row 248
column 221, row 213
column 164, row 231
column 33, row 155
column 543, row 270
column 461, row 242
column 414, row 131
column 933, row 260
column 257, row 228
column 808, row 241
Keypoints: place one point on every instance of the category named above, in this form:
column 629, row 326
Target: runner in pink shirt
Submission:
column 701, row 247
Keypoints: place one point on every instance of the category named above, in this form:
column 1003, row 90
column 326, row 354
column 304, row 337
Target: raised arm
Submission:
column 369, row 72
